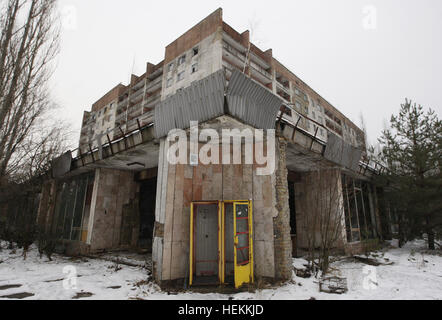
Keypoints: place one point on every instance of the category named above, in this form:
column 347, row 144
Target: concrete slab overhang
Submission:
column 306, row 152
column 136, row 151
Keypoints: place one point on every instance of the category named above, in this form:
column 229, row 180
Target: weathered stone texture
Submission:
column 281, row 223
column 214, row 182
column 115, row 190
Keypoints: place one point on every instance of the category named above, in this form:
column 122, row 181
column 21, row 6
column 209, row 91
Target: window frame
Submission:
column 183, row 73
column 182, row 60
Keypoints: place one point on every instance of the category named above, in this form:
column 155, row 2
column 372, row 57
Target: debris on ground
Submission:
column 333, row 284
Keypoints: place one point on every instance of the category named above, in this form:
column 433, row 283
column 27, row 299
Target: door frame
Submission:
column 221, row 238
column 193, row 204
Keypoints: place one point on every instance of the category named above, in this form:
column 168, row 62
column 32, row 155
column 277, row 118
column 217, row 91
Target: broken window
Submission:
column 194, row 67
column 351, row 212
column 72, row 208
column 182, row 59
column 180, row 76
column 195, row 51
column 359, row 219
column 288, row 112
column 170, row 67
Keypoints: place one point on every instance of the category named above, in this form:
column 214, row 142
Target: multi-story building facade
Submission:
column 215, row 222
column 208, row 47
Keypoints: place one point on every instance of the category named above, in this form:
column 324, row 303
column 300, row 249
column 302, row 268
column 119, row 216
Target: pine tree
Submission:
column 411, row 150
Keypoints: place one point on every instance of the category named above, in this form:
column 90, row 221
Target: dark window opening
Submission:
column 292, row 207
column 359, row 219
column 148, row 189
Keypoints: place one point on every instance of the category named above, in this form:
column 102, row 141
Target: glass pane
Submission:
column 243, row 240
column 79, row 203
column 361, row 215
column 346, row 208
column 242, row 210
column 88, row 202
column 367, row 211
column 70, row 204
column 229, row 255
column 353, row 210
column 61, row 210
column 242, row 225
column 242, row 233
column 58, row 210
column 242, row 256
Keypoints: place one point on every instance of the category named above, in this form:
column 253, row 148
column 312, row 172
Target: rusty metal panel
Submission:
column 341, row 152
column 201, row 101
column 61, row 165
column 251, row 102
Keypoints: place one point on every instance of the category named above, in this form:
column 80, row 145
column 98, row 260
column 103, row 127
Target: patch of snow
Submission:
column 413, row 274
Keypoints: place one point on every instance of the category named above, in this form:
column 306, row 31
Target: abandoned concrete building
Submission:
column 211, row 223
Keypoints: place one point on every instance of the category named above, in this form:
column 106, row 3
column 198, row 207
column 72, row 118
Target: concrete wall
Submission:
column 318, row 193
column 112, row 190
column 208, row 61
column 194, row 36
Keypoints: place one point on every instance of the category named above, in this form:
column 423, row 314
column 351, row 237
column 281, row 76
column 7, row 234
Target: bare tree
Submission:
column 330, row 211
column 308, row 223
column 29, row 43
column 323, row 217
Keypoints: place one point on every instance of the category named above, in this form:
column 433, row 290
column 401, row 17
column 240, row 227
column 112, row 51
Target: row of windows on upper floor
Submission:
column 181, row 75
column 182, row 59
column 98, row 114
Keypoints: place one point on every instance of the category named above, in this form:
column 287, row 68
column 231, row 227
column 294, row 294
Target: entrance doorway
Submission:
column 147, row 201
column 292, row 206
column 221, row 245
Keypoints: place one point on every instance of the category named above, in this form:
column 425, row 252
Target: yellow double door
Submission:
column 221, row 243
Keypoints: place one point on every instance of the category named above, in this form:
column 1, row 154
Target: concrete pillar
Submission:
column 281, row 223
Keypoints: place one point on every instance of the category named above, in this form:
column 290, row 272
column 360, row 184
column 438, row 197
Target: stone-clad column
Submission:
column 281, row 224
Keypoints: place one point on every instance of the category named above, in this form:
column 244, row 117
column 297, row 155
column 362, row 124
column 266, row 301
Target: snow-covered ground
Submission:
column 404, row 273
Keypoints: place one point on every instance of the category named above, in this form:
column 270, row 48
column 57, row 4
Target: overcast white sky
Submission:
column 324, row 42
